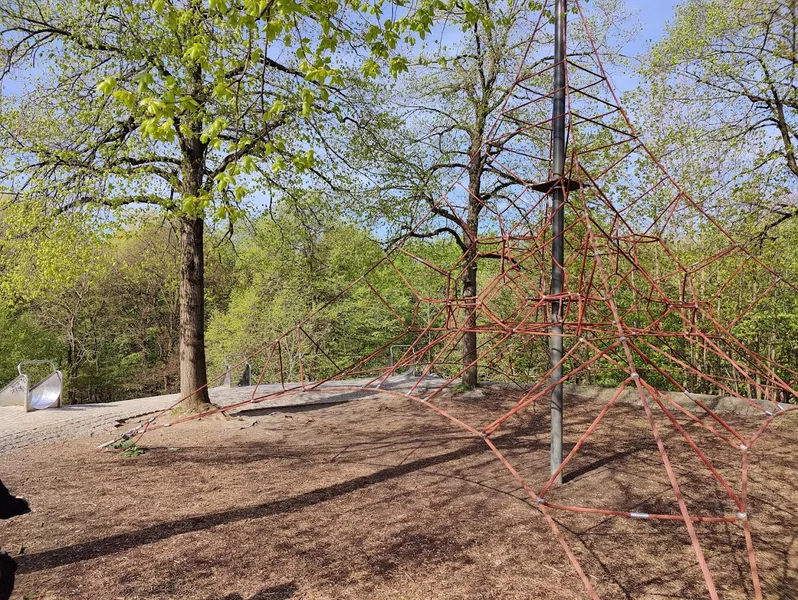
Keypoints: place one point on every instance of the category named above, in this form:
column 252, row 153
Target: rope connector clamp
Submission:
column 743, row 447
column 742, row 516
column 638, row 515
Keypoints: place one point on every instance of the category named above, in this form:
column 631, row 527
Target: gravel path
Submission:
column 19, row 429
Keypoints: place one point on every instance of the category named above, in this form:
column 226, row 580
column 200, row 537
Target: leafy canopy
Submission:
column 185, row 104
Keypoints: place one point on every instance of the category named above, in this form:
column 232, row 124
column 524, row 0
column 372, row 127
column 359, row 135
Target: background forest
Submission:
column 349, row 157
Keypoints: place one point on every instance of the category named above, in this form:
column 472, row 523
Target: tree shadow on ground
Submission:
column 297, row 408
column 121, row 542
column 114, row 544
column 408, row 547
column 278, row 592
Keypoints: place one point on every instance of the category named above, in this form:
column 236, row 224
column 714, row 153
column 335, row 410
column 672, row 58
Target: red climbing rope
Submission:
column 633, row 308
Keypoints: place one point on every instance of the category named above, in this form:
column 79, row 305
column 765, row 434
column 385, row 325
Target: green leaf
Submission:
column 307, row 102
column 370, row 68
column 107, row 86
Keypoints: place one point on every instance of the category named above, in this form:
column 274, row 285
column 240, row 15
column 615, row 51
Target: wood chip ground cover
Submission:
column 381, row 499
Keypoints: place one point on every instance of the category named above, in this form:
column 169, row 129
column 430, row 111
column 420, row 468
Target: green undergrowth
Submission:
column 463, row 387
column 128, row 448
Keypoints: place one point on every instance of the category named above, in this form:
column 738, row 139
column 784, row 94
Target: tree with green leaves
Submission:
column 288, row 271
column 444, row 114
column 718, row 100
column 56, row 276
column 723, row 85
column 444, row 110
column 183, row 105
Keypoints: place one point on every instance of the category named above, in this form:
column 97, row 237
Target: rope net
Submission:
column 641, row 298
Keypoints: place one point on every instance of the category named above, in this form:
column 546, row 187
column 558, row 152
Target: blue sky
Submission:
column 653, row 17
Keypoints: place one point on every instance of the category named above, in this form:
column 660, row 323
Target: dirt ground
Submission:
column 382, row 498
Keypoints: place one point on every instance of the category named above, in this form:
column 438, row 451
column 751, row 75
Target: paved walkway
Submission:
column 19, row 429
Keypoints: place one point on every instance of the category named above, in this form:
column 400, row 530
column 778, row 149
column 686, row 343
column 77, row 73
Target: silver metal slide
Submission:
column 15, row 393
column 246, row 372
column 44, row 394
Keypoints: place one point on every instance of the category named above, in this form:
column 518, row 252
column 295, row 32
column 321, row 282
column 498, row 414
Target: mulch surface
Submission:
column 382, row 498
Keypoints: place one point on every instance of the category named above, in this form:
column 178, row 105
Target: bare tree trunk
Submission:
column 470, row 322
column 469, row 277
column 69, row 394
column 193, row 373
column 68, row 391
column 193, row 370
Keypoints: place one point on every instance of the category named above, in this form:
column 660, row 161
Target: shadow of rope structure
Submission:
column 633, row 307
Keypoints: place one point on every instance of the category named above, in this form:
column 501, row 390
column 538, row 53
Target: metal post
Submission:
column 557, row 223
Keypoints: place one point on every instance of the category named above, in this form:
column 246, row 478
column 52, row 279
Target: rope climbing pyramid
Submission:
column 636, row 298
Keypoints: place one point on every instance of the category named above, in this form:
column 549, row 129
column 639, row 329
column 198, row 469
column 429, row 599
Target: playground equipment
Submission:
column 414, row 362
column 591, row 273
column 246, row 375
column 44, row 394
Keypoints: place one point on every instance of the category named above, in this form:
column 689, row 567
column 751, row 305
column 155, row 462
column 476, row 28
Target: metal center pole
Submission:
column 557, row 224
